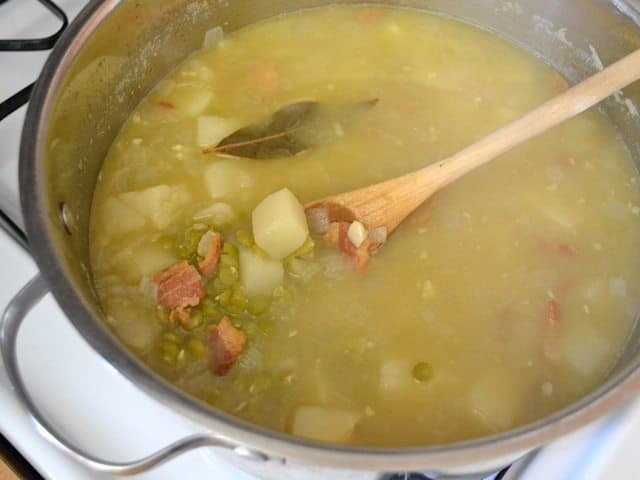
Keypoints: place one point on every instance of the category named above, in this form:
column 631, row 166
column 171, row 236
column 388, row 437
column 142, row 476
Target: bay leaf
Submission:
column 286, row 132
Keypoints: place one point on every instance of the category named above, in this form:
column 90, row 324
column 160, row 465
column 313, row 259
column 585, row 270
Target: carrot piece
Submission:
column 550, row 342
column 369, row 15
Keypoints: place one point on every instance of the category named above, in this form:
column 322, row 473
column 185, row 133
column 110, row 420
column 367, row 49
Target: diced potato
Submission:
column 151, row 259
column 225, row 178
column 212, row 129
column 395, row 375
column 219, row 214
column 279, row 224
column 132, row 325
column 325, row 424
column 584, row 350
column 190, row 100
column 212, row 37
column 118, row 218
column 259, row 275
column 496, row 400
column 554, row 209
column 161, row 204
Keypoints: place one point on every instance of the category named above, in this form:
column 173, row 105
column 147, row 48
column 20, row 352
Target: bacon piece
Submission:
column 179, row 288
column 335, row 231
column 550, row 341
column 361, row 257
column 167, row 105
column 227, row 343
column 344, row 242
column 210, row 247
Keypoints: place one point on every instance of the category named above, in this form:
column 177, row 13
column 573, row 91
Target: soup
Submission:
column 508, row 296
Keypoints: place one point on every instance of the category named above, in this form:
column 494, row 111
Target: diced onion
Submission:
column 318, row 219
column 617, row 287
column 378, row 235
column 213, row 36
column 357, row 233
column 205, row 243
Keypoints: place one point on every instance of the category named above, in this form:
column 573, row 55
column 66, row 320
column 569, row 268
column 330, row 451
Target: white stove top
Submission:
column 75, row 388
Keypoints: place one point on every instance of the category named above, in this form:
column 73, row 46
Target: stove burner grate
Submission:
column 10, row 105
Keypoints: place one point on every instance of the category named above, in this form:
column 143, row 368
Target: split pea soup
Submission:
column 507, row 297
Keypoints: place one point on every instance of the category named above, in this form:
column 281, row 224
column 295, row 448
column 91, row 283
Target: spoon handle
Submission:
column 388, row 203
column 560, row 108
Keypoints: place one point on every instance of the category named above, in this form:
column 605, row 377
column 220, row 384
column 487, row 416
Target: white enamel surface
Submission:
column 107, row 416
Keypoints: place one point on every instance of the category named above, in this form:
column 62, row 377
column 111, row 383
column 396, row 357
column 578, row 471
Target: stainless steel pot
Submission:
column 109, row 59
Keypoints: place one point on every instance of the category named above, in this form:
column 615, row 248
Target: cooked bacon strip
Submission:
column 227, row 343
column 551, row 334
column 210, row 247
column 179, row 288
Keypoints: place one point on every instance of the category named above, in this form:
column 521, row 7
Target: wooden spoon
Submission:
column 388, row 203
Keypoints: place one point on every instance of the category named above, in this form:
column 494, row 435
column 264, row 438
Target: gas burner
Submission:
column 10, row 105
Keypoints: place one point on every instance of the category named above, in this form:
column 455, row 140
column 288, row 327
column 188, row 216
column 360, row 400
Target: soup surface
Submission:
column 506, row 297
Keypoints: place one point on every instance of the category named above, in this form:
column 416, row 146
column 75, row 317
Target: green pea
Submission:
column 238, row 298
column 422, row 371
column 169, row 353
column 244, row 238
column 306, row 249
column 250, row 329
column 227, row 260
column 216, row 287
column 302, row 269
column 196, row 348
column 228, row 275
column 162, row 316
column 170, row 337
column 281, row 292
column 187, row 249
column 230, row 250
column 259, row 304
column 266, row 326
column 224, row 298
column 195, row 320
column 209, row 310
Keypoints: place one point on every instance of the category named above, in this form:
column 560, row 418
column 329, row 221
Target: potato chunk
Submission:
column 150, row 259
column 326, row 424
column 219, row 214
column 496, row 400
column 259, row 275
column 190, row 100
column 211, row 129
column 118, row 218
column 279, row 224
column 161, row 204
column 225, row 178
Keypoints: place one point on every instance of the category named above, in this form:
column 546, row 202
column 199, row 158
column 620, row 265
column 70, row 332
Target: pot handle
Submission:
column 10, row 322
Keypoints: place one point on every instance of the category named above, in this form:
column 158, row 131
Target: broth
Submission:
column 505, row 298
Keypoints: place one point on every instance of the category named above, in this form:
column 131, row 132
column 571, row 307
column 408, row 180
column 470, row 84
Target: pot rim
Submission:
column 40, row 232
